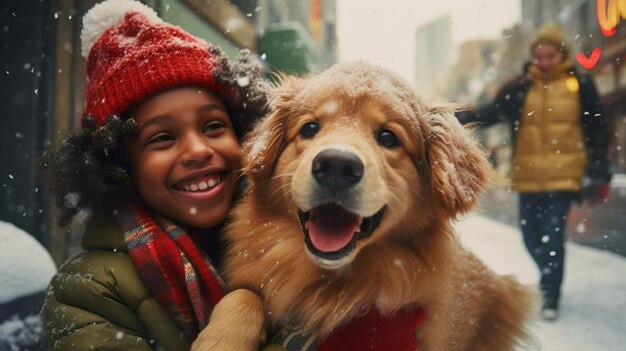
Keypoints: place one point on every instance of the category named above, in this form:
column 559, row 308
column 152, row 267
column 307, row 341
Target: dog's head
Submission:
column 356, row 156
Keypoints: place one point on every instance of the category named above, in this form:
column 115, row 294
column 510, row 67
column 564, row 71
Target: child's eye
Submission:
column 213, row 127
column 160, row 138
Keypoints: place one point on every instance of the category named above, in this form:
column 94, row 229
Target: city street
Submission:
column 540, row 84
column 594, row 292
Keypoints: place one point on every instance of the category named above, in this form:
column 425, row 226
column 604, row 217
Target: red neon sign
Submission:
column 610, row 13
column 590, row 62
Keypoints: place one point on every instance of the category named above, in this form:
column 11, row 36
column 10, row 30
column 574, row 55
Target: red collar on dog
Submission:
column 376, row 332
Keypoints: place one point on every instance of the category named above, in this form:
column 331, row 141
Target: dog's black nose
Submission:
column 337, row 169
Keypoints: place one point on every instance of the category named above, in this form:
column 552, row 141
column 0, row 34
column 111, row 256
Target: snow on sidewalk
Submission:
column 593, row 298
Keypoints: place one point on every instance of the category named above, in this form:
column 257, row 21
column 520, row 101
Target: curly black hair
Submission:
column 88, row 171
column 85, row 171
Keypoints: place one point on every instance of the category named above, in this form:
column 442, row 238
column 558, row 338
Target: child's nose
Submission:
column 195, row 150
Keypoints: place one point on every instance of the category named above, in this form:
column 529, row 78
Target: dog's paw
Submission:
column 237, row 323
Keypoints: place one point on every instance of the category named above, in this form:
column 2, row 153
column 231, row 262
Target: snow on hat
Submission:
column 132, row 54
column 552, row 34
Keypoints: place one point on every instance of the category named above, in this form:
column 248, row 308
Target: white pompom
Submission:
column 108, row 14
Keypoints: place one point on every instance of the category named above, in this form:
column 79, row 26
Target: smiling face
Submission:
column 547, row 58
column 185, row 159
column 351, row 166
column 358, row 162
column 348, row 171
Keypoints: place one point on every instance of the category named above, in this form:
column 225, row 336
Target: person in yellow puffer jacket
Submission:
column 560, row 147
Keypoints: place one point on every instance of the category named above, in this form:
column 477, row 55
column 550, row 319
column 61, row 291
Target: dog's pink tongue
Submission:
column 332, row 229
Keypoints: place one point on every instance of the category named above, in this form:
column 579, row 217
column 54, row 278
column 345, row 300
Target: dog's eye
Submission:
column 387, row 138
column 309, row 129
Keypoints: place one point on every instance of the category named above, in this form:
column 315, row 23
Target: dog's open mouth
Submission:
column 331, row 231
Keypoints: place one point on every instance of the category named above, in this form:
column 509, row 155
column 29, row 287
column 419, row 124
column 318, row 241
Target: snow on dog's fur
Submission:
column 354, row 182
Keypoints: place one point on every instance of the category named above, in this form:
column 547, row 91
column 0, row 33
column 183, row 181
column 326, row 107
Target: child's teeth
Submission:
column 202, row 184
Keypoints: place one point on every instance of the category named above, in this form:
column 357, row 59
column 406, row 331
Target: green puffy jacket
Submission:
column 97, row 300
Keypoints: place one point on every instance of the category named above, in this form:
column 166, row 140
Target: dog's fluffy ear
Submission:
column 267, row 141
column 459, row 168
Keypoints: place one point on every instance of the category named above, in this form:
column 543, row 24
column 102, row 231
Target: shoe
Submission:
column 549, row 314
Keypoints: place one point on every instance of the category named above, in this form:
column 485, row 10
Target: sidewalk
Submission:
column 593, row 303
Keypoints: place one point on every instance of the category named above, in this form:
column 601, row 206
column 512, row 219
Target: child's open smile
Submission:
column 185, row 157
column 200, row 183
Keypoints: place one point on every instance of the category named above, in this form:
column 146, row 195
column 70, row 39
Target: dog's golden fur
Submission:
column 226, row 332
column 436, row 172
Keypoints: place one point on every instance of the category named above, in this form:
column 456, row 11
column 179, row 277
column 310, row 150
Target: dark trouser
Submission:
column 542, row 219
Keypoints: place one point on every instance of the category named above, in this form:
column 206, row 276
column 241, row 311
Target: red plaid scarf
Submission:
column 169, row 262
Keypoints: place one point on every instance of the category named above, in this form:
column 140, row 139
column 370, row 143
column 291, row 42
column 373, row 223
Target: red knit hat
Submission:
column 133, row 54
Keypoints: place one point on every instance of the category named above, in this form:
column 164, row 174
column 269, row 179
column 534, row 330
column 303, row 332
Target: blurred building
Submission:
column 433, row 51
column 297, row 36
column 474, row 72
column 510, row 55
column 42, row 78
column 476, row 80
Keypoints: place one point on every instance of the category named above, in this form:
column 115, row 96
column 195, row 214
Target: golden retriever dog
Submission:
column 354, row 181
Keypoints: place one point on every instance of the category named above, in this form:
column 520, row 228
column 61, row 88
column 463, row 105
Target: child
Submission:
column 157, row 161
